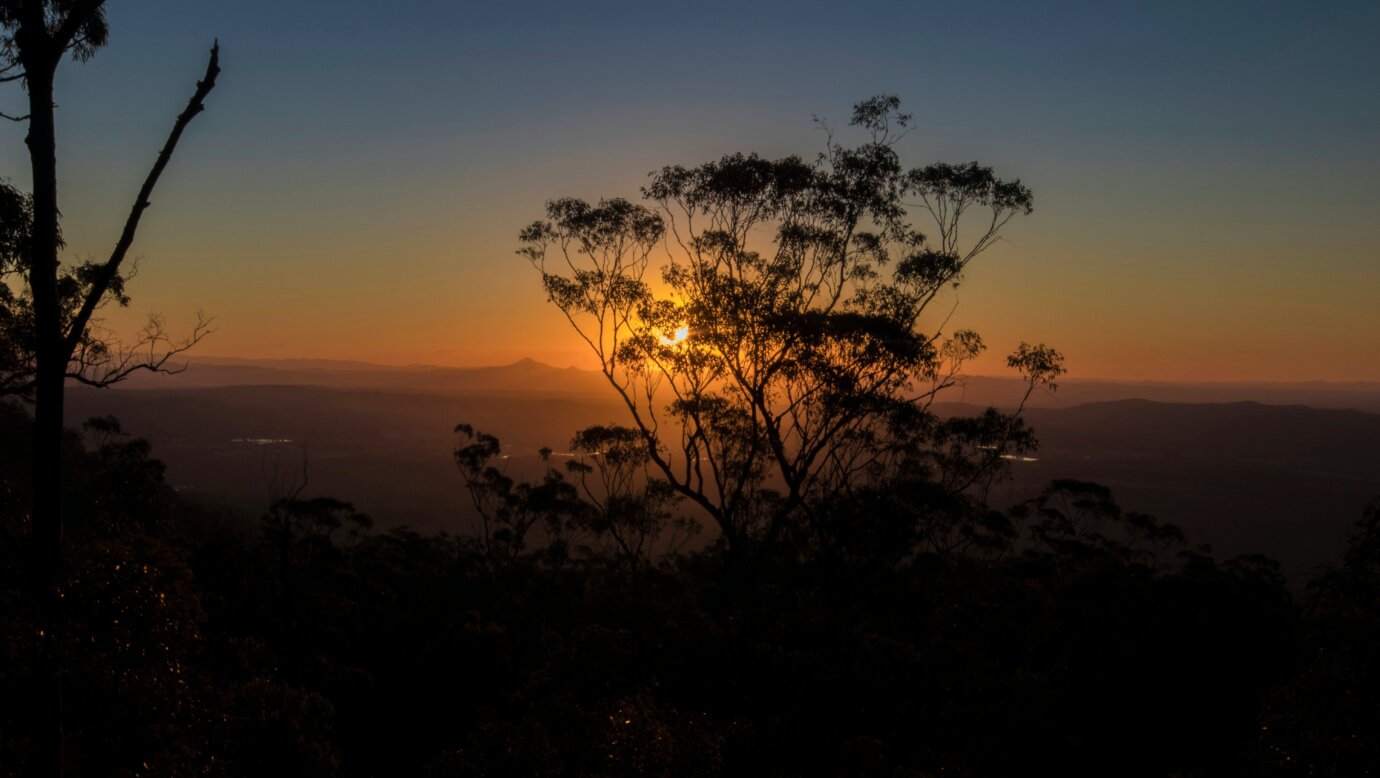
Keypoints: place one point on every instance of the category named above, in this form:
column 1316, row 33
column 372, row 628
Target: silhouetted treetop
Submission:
column 44, row 30
column 791, row 319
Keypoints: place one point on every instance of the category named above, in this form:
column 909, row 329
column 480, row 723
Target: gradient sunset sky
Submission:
column 1207, row 174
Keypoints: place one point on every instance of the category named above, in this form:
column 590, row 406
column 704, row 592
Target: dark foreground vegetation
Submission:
column 906, row 633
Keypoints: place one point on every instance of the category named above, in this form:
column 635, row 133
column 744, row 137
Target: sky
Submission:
column 1206, row 175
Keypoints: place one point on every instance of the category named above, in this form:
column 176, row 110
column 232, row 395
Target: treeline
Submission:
column 902, row 632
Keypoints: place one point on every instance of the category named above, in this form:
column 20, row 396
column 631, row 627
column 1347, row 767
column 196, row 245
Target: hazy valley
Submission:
column 1247, row 468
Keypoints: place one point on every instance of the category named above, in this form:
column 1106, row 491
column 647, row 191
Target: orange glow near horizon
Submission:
column 1109, row 326
column 1212, row 244
column 441, row 286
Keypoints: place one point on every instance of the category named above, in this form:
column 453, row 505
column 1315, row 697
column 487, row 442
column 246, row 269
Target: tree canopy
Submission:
column 788, row 348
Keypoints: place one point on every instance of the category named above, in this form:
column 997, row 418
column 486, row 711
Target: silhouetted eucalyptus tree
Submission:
column 628, row 508
column 791, row 347
column 48, row 326
column 509, row 510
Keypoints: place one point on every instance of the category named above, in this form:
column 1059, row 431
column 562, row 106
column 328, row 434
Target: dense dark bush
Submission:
column 910, row 634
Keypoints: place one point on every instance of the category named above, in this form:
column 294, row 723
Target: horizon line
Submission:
column 1375, row 383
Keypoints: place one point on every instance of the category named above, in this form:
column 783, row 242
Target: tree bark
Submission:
column 50, row 369
column 51, row 360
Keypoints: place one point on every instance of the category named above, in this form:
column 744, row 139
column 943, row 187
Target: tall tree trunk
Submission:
column 51, row 364
column 51, row 369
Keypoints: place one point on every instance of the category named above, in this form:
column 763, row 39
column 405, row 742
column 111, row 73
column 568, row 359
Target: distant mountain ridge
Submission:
column 526, row 375
column 530, row 376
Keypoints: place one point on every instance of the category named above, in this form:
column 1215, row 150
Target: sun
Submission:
column 678, row 336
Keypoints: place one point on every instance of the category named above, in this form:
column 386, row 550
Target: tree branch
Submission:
column 102, row 367
column 111, row 268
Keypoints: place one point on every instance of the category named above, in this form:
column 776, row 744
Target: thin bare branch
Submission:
column 97, row 363
column 111, row 268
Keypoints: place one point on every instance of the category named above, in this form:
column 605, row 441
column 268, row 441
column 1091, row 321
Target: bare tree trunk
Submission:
column 51, row 364
column 50, row 369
